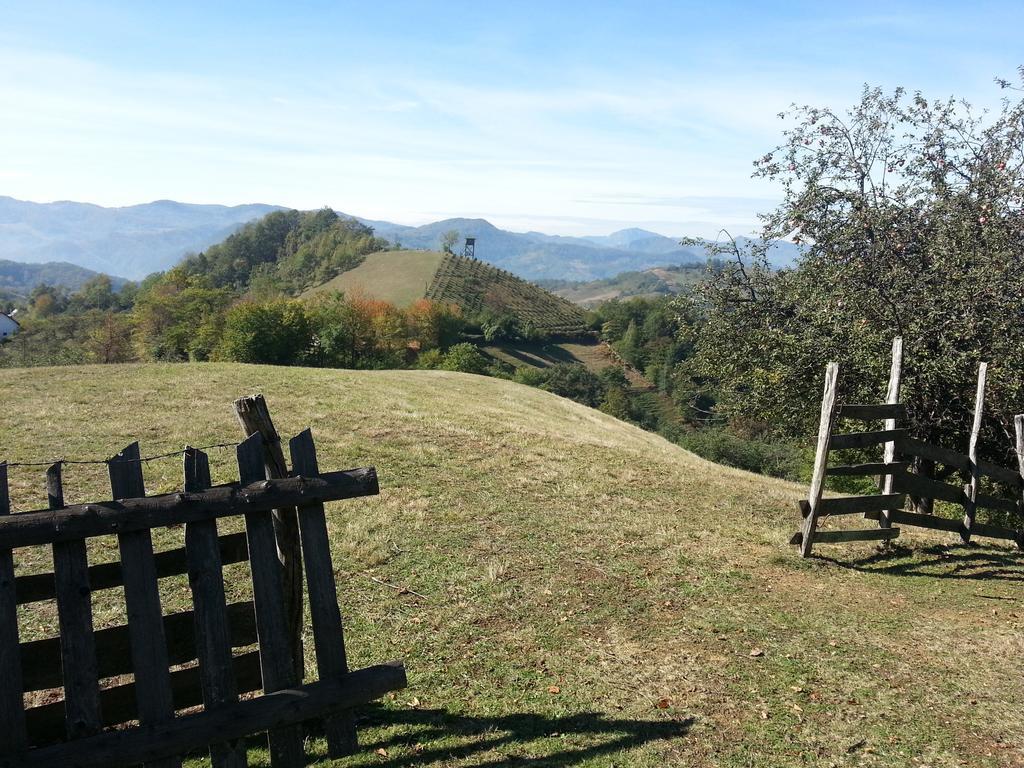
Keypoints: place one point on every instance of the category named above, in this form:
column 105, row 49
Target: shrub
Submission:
column 466, row 358
column 775, row 459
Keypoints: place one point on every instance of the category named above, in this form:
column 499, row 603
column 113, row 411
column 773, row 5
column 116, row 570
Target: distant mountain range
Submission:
column 137, row 240
column 131, row 242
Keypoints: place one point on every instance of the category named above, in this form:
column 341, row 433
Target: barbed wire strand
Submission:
column 141, row 459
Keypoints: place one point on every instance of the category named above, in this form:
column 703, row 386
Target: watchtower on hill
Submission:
column 469, row 249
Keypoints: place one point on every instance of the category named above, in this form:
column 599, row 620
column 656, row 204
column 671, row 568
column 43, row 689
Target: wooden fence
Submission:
column 173, row 705
column 897, row 479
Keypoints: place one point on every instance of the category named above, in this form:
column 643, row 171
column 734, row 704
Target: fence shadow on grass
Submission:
column 942, row 561
column 464, row 736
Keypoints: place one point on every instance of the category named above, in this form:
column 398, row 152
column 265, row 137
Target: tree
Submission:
column 912, row 217
column 449, row 239
column 275, row 332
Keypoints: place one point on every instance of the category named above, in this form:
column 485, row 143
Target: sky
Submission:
column 564, row 117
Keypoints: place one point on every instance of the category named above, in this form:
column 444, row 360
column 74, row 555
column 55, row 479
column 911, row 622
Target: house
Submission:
column 8, row 325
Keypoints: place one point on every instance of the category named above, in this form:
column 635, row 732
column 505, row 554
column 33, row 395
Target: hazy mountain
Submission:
column 137, row 240
column 132, row 241
column 536, row 255
column 17, row 280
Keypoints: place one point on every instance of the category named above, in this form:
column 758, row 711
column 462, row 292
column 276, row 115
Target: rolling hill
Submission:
column 653, row 282
column 401, row 277
column 17, row 280
column 477, row 286
column 566, row 589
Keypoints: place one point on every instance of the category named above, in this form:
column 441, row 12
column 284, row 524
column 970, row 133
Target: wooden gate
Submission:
column 172, row 705
column 897, row 480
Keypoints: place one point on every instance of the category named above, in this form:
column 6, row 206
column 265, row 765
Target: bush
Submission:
column 575, row 382
column 775, row 459
column 466, row 358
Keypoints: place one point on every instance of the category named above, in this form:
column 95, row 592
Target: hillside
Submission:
column 477, row 286
column 656, row 281
column 17, row 279
column 399, row 277
column 592, row 595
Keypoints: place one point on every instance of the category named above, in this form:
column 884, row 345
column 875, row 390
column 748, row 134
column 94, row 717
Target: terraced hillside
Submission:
column 475, row 286
column 567, row 590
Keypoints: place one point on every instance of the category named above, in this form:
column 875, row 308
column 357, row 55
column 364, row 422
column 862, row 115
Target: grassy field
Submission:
column 591, row 594
column 399, row 277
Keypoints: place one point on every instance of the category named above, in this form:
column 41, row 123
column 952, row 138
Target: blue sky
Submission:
column 567, row 117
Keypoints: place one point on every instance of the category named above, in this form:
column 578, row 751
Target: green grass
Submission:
column 398, row 277
column 477, row 286
column 593, row 593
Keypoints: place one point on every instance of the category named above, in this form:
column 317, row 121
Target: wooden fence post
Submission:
column 12, row 709
column 213, row 636
column 254, row 417
column 892, row 396
column 79, row 666
column 268, row 595
column 328, row 636
column 971, row 489
column 1018, row 426
column 828, row 412
column 142, row 601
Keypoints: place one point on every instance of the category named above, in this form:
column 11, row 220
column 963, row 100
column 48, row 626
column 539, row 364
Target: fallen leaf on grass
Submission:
column 663, row 703
column 756, row 652
column 554, row 689
column 382, row 752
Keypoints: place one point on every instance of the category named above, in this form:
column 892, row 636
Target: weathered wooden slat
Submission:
column 855, row 505
column 78, row 665
column 142, row 601
column 871, row 534
column 34, row 587
column 999, row 474
column 826, row 421
column 12, row 708
column 328, row 637
column 892, row 397
column 864, row 439
column 908, row 446
column 872, row 412
column 868, row 470
column 934, row 522
column 994, row 531
column 213, row 636
column 1018, row 429
column 147, row 744
column 973, row 486
column 118, row 702
column 87, row 520
column 41, row 658
column 286, row 750
column 254, row 417
column 984, row 501
column 925, row 487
